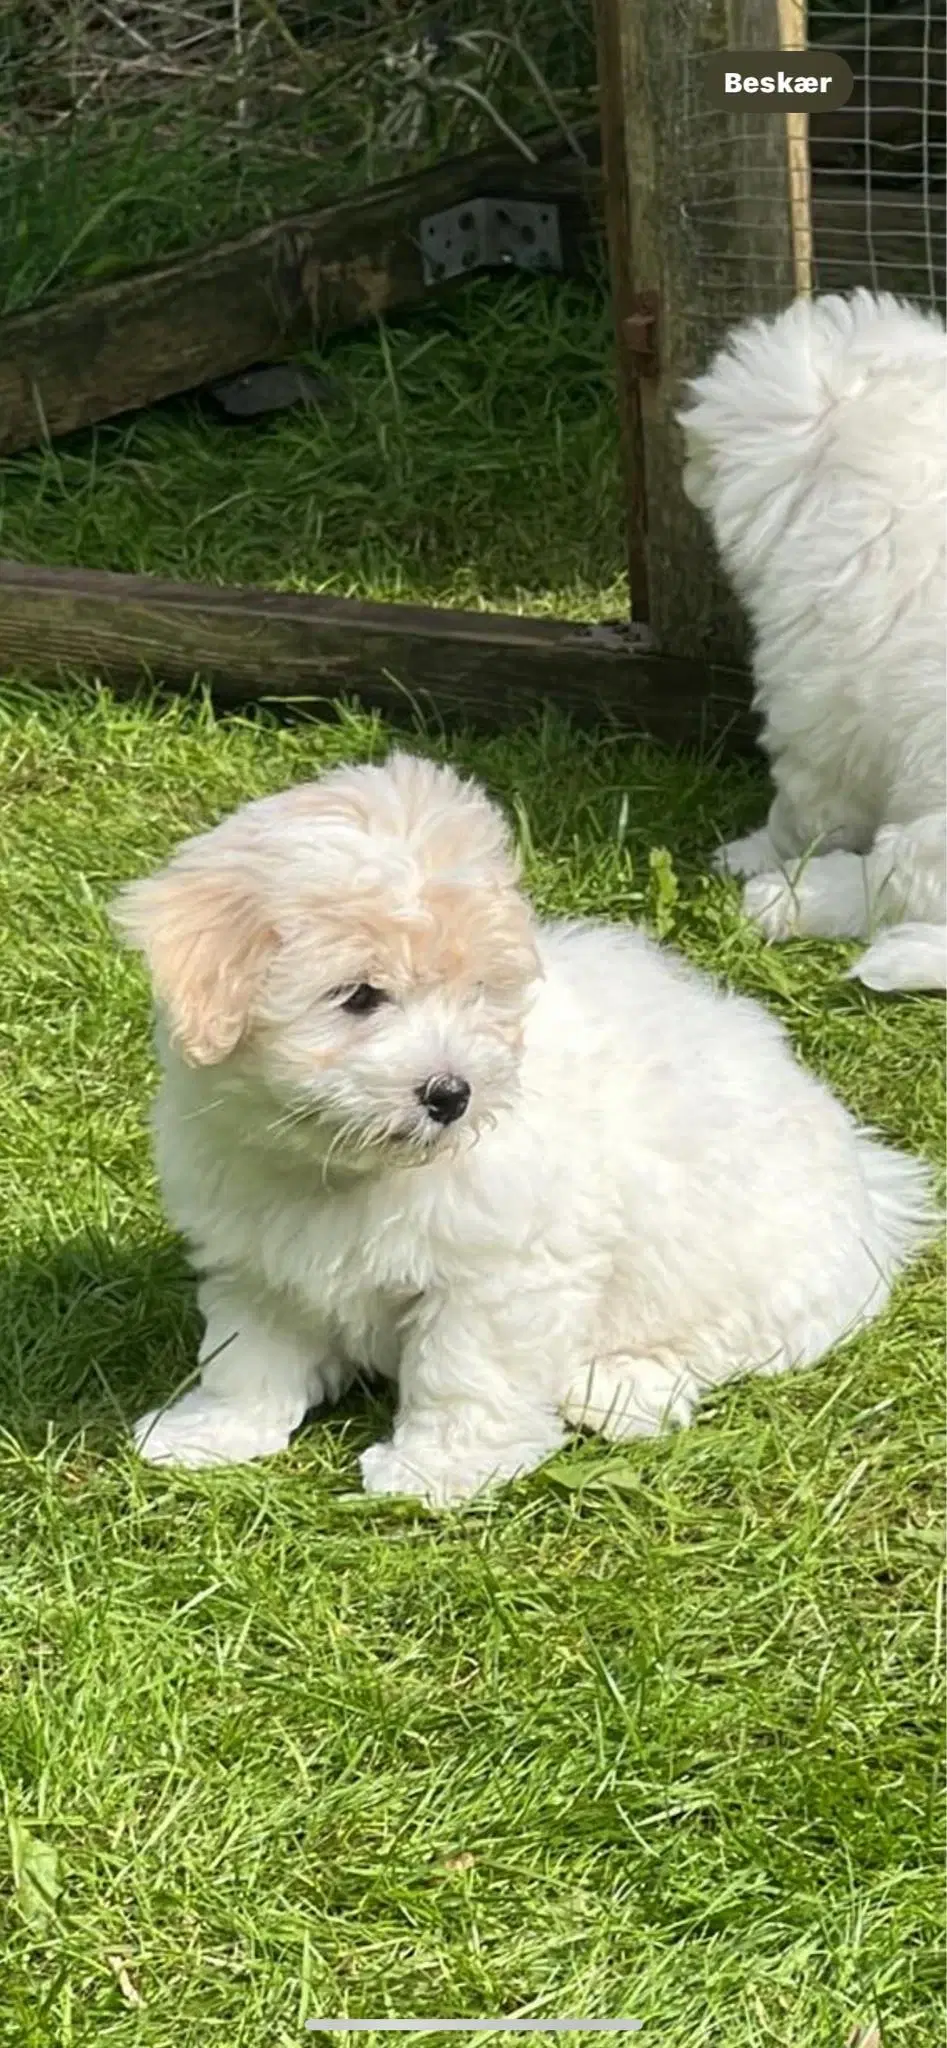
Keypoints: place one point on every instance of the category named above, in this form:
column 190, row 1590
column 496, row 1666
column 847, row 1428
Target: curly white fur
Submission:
column 817, row 443
column 645, row 1195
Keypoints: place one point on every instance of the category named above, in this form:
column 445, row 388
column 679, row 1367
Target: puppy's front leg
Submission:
column 260, row 1373
column 475, row 1405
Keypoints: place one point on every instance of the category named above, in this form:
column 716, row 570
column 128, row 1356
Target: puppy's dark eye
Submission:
column 364, row 999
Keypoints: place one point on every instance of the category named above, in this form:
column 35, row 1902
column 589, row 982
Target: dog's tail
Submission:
column 905, row 957
column 905, row 1214
column 789, row 371
column 762, row 412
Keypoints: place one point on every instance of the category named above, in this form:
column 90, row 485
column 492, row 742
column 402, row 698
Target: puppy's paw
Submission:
column 386, row 1471
column 908, row 957
column 748, row 856
column 771, row 902
column 422, row 1475
column 202, row 1429
column 621, row 1398
column 425, row 1471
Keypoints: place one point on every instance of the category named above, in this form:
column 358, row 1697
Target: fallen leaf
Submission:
column 463, row 1861
column 128, row 1988
column 864, row 2037
column 599, row 1474
column 36, row 1885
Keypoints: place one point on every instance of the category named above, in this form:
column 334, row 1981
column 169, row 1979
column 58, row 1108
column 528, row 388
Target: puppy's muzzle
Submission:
column 445, row 1097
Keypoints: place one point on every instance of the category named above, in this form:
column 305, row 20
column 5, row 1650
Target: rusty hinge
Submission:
column 640, row 331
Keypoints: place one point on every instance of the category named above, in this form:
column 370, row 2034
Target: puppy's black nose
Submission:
column 445, row 1097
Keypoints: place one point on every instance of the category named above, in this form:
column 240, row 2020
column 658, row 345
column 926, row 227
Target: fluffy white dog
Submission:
column 817, row 442
column 537, row 1174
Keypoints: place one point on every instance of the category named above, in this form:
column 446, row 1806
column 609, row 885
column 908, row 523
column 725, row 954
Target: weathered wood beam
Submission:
column 472, row 669
column 626, row 307
column 147, row 335
column 701, row 233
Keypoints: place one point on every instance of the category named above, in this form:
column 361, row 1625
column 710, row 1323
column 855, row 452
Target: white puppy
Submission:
column 536, row 1174
column 817, row 442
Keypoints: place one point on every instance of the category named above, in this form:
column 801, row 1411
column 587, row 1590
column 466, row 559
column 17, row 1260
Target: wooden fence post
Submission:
column 708, row 223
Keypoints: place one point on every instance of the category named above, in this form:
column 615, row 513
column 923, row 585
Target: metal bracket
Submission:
column 620, row 636
column 491, row 234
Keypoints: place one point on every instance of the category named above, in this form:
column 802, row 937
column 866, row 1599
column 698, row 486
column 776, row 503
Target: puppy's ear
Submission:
column 206, row 938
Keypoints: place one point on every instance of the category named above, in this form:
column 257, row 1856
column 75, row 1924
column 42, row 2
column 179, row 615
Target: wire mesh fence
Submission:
column 131, row 130
column 879, row 165
column 866, row 182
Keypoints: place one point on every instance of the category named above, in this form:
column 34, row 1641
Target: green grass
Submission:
column 103, row 168
column 108, row 163
column 78, row 209
column 471, row 460
column 656, row 1733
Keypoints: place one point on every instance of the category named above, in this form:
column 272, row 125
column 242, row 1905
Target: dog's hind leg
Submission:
column 908, row 956
column 900, row 882
column 787, row 835
column 752, row 855
column 621, row 1397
